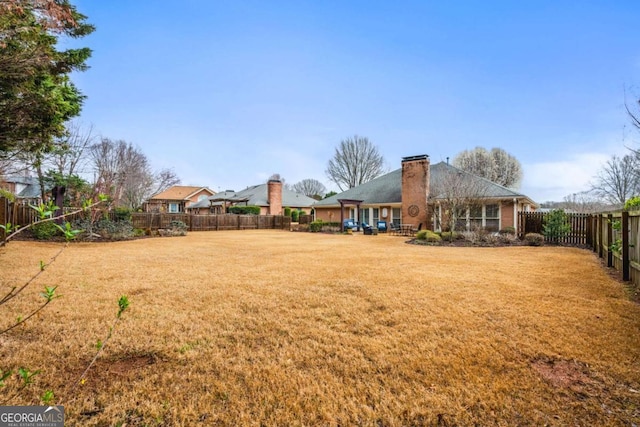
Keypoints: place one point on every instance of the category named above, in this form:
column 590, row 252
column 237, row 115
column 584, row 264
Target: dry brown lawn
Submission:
column 276, row 328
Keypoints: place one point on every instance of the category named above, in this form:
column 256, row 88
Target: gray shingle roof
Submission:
column 257, row 195
column 381, row 190
column 32, row 186
column 387, row 189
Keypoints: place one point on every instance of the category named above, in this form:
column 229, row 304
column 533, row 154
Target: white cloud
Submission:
column 547, row 181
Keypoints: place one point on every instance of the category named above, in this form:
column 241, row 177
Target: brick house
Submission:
column 272, row 198
column 24, row 188
column 177, row 199
column 421, row 193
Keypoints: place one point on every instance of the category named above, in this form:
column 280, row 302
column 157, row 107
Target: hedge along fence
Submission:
column 154, row 221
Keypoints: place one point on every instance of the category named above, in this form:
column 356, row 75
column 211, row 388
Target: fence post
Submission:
column 626, row 274
column 4, row 210
column 600, row 235
column 609, row 239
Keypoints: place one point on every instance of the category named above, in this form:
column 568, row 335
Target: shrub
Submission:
column 422, row 235
column 507, row 230
column 113, row 230
column 507, row 238
column 122, row 214
column 178, row 228
column 489, row 238
column 295, row 215
column 556, row 225
column 245, row 210
column 316, row 226
column 287, row 211
column 450, row 236
column 45, row 230
column 534, row 239
column 428, row 236
column 470, row 236
column 632, row 204
column 7, row 195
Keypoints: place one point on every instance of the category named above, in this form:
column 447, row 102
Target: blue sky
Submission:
column 229, row 92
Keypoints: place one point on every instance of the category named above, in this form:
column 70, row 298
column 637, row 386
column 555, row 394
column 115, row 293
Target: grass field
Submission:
column 277, row 328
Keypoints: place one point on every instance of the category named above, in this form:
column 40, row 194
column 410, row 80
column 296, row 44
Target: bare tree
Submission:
column 164, row 179
column 582, row 202
column 634, row 115
column 496, row 165
column 355, row 161
column 456, row 194
column 618, row 179
column 310, row 188
column 70, row 152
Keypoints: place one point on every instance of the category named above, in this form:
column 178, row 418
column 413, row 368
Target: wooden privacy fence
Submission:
column 155, row 221
column 614, row 236
column 23, row 215
column 581, row 227
column 617, row 239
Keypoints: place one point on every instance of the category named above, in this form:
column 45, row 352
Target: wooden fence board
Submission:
column 580, row 234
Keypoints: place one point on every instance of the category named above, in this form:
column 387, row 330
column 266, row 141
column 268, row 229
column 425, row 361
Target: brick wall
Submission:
column 274, row 197
column 415, row 190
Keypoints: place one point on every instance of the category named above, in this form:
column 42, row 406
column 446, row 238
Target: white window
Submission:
column 202, row 197
column 174, row 208
column 475, row 218
column 492, row 217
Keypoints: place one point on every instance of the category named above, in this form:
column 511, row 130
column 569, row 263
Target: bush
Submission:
column 45, row 230
column 489, row 238
column 632, row 204
column 295, row 215
column 316, row 226
column 122, row 214
column 556, row 225
column 507, row 230
column 178, row 228
column 287, row 211
column 422, row 235
column 428, row 236
column 245, row 210
column 507, row 238
column 451, row 235
column 112, row 230
column 534, row 239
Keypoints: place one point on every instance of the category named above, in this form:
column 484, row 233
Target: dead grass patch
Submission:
column 277, row 328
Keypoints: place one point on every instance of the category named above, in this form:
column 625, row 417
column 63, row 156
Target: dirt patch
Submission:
column 120, row 366
column 568, row 374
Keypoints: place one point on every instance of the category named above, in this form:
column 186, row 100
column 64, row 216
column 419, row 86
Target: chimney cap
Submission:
column 275, row 181
column 414, row 158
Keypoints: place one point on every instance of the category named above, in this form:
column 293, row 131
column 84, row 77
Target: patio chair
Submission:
column 393, row 229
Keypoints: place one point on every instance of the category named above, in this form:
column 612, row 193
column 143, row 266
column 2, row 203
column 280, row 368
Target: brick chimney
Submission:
column 415, row 190
column 274, row 196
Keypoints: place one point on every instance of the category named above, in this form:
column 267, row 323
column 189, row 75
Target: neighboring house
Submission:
column 177, row 199
column 271, row 197
column 417, row 194
column 26, row 188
